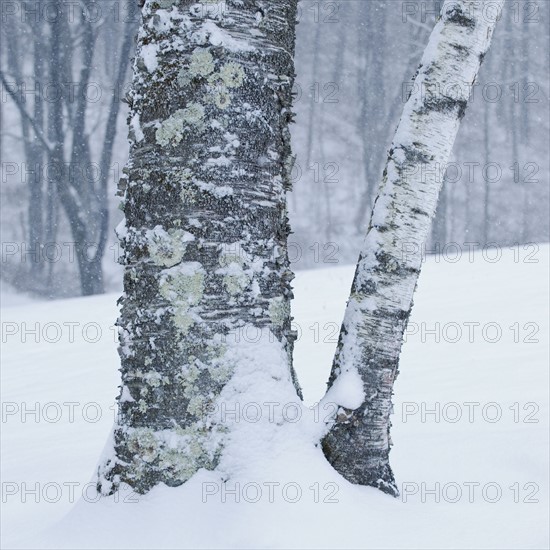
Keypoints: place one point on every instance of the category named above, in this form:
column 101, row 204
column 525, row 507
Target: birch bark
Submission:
column 358, row 441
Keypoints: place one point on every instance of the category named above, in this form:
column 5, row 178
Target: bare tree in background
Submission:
column 57, row 132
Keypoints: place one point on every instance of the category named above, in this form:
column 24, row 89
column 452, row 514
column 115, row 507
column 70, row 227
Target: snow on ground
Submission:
column 470, row 428
column 9, row 297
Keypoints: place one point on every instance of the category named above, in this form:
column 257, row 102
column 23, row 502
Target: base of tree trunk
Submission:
column 369, row 468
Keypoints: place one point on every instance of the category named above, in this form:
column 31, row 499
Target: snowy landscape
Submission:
column 474, row 479
column 275, row 274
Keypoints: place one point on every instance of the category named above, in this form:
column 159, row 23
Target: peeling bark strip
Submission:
column 380, row 303
column 205, row 235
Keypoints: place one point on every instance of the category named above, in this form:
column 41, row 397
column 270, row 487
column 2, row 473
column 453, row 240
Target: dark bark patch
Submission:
column 456, row 15
column 419, row 212
column 461, row 51
column 415, row 155
column 444, row 105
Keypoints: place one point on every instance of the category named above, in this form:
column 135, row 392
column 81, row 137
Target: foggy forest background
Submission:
column 66, row 69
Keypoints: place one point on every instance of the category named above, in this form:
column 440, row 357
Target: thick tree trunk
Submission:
column 366, row 360
column 205, row 236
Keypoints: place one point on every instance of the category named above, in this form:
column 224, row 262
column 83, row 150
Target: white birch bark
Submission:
column 358, row 442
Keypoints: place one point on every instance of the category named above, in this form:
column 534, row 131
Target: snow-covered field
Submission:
column 470, row 428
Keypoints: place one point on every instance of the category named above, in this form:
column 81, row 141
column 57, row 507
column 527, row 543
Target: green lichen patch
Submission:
column 232, row 75
column 188, row 377
column 167, row 248
column 143, row 443
column 178, row 465
column 221, row 98
column 202, row 63
column 278, row 311
column 221, row 373
column 154, row 379
column 235, row 278
column 183, row 286
column 235, row 284
column 215, row 81
column 182, row 319
column 193, row 114
column 195, row 406
column 171, row 131
column 176, row 454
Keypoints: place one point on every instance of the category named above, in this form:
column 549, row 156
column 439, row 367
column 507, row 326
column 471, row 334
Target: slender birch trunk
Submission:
column 358, row 442
column 205, row 235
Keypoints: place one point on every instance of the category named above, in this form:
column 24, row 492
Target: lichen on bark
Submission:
column 210, row 147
